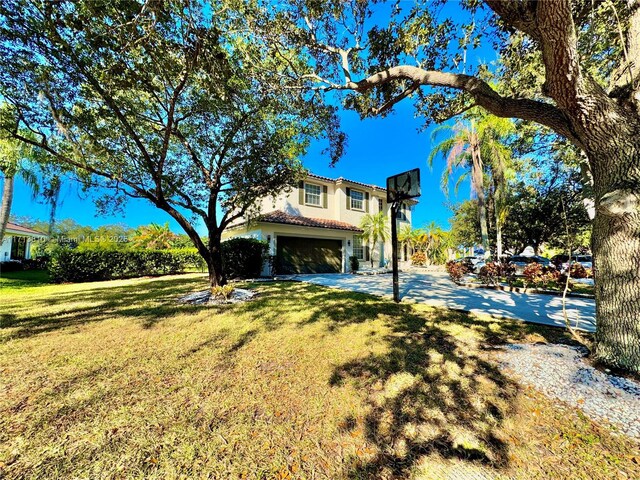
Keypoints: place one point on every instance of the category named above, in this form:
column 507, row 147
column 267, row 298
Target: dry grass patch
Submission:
column 115, row 380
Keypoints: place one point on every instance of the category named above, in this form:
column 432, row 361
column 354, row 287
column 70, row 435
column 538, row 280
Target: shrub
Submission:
column 490, row 273
column 68, row 265
column 532, row 274
column 419, row 258
column 578, row 271
column 456, row 270
column 222, row 292
column 537, row 275
column 550, row 277
column 354, row 264
column 508, row 271
column 38, row 263
column 11, row 266
column 243, row 257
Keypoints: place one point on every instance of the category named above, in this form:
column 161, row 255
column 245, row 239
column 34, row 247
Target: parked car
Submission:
column 561, row 262
column 474, row 264
column 520, row 262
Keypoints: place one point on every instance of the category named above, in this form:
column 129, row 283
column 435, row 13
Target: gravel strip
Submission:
column 204, row 297
column 560, row 372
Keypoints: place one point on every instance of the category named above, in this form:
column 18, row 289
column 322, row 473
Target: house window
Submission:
column 358, row 248
column 18, row 248
column 312, row 194
column 402, row 213
column 379, row 204
column 357, row 200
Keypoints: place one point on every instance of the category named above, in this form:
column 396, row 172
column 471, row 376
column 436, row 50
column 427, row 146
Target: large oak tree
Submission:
column 164, row 101
column 572, row 66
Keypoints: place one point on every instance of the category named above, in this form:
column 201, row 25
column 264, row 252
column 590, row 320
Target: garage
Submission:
column 308, row 255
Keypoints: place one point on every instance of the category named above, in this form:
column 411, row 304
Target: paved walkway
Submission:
column 436, row 289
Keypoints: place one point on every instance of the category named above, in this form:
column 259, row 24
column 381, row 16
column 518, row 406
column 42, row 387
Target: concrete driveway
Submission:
column 436, row 289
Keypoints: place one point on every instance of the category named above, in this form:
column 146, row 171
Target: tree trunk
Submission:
column 214, row 267
column 214, row 260
column 616, row 254
column 5, row 207
column 499, row 240
column 477, row 174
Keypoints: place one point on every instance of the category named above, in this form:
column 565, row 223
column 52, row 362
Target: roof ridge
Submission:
column 343, row 179
column 28, row 229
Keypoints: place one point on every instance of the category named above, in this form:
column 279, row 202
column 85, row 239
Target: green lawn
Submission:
column 115, row 380
column 18, row 280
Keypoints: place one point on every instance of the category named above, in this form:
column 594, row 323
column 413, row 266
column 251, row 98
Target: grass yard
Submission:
column 23, row 279
column 115, row 380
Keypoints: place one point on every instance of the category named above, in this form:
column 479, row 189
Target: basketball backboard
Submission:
column 403, row 186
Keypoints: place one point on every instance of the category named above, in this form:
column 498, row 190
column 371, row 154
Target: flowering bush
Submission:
column 508, row 271
column 532, row 274
column 419, row 258
column 490, row 273
column 537, row 275
column 456, row 270
column 578, row 271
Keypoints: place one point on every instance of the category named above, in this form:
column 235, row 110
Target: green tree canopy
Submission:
column 169, row 102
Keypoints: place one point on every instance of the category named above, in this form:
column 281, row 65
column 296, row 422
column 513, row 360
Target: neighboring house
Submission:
column 314, row 228
column 17, row 242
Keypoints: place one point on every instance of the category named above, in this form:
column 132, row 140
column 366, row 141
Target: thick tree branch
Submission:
column 517, row 14
column 483, row 95
column 340, row 52
column 401, row 96
column 559, row 44
column 633, row 50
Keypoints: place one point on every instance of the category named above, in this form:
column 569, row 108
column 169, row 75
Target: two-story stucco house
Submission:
column 314, row 228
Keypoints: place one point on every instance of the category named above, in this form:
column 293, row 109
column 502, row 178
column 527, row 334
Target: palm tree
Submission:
column 154, row 236
column 493, row 131
column 374, row 230
column 12, row 164
column 407, row 236
column 475, row 138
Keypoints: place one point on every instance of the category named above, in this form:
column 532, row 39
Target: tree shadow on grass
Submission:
column 428, row 394
column 432, row 392
column 149, row 301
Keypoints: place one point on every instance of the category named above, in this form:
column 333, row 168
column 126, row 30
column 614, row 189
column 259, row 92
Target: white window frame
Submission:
column 361, row 200
column 308, row 194
column 380, row 205
column 358, row 247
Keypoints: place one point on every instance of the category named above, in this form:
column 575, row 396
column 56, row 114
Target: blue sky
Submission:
column 377, row 148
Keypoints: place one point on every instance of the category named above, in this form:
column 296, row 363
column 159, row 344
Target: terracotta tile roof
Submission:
column 14, row 227
column 278, row 216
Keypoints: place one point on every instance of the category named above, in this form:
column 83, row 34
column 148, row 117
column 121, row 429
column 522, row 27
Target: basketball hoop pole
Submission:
column 400, row 187
column 394, row 250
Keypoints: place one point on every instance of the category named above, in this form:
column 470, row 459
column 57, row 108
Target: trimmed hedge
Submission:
column 243, row 257
column 11, row 266
column 87, row 266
